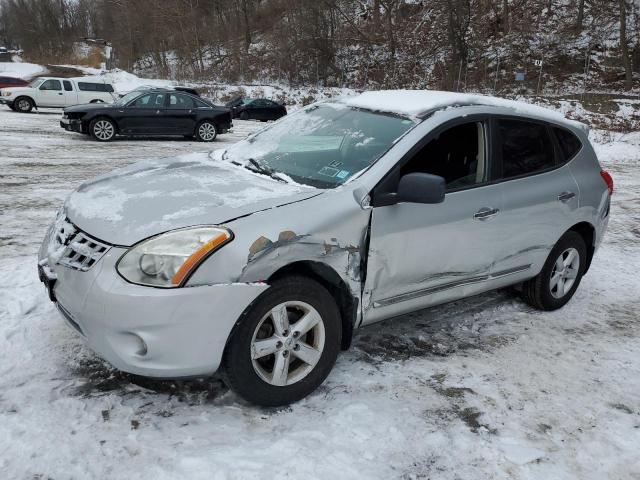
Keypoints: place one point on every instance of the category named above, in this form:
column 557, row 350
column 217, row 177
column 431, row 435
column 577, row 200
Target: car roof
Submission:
column 421, row 103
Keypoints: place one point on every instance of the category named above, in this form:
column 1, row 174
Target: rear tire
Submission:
column 244, row 116
column 554, row 286
column 102, row 129
column 206, row 131
column 285, row 343
column 23, row 104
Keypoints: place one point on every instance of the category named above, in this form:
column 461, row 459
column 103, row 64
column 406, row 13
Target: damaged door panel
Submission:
column 420, row 255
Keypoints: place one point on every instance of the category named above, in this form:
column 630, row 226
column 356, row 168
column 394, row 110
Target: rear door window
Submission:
column 177, row 101
column 570, row 145
column 526, row 147
column 67, row 86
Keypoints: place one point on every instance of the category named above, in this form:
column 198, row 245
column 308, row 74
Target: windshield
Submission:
column 127, row 98
column 36, row 83
column 323, row 145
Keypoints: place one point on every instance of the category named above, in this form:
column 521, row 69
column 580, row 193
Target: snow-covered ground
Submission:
column 482, row 388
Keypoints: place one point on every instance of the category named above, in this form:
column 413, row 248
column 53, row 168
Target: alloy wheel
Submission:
column 103, row 130
column 287, row 343
column 564, row 272
column 207, row 131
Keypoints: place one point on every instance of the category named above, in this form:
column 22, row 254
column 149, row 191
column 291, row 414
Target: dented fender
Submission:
column 330, row 229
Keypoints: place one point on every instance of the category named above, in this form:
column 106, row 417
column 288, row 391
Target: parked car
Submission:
column 57, row 93
column 149, row 112
column 263, row 258
column 257, row 109
column 8, row 82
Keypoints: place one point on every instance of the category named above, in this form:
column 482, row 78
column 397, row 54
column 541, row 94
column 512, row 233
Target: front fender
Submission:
column 329, row 229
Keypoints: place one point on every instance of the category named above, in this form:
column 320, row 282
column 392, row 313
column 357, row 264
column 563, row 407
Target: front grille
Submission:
column 73, row 248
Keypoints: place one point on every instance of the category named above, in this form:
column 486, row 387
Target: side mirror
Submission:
column 421, row 188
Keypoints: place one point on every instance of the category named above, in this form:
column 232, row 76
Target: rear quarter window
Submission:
column 570, row 145
column 526, row 147
column 95, row 87
column 87, row 87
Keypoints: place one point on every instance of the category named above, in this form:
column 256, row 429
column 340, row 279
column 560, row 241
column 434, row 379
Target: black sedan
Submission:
column 149, row 112
column 257, row 108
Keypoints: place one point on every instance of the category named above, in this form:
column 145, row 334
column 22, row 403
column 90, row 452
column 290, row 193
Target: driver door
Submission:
column 145, row 115
column 51, row 94
column 424, row 254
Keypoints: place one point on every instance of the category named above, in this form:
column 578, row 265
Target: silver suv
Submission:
column 261, row 260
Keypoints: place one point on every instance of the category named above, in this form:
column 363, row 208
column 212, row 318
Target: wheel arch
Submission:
column 588, row 233
column 200, row 121
column 35, row 104
column 98, row 116
column 328, row 278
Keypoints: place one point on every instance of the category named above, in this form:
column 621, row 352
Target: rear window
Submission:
column 526, row 148
column 570, row 145
column 95, row 87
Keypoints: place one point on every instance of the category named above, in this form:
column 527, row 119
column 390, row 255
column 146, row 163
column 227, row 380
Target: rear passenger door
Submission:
column 70, row 96
column 540, row 195
column 181, row 114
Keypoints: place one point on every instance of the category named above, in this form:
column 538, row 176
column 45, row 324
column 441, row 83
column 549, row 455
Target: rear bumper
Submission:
column 165, row 333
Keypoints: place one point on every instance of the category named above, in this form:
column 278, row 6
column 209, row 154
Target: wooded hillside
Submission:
column 448, row 44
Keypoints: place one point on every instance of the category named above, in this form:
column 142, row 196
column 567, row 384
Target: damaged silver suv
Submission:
column 261, row 260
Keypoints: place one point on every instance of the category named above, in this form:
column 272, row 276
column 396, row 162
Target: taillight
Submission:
column 608, row 180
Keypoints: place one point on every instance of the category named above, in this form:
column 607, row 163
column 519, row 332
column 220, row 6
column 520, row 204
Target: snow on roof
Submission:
column 414, row 103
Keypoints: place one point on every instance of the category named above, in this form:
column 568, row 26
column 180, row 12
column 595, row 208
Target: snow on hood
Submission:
column 413, row 103
column 151, row 197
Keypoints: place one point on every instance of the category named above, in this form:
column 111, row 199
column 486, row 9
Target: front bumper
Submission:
column 6, row 101
column 166, row 333
column 71, row 125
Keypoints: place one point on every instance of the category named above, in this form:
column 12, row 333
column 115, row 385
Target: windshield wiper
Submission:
column 259, row 168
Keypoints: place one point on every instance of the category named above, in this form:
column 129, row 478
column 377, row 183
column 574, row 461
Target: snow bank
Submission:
column 21, row 70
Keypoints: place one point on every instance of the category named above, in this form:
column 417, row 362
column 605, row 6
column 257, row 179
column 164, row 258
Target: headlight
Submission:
column 7, row 94
column 169, row 259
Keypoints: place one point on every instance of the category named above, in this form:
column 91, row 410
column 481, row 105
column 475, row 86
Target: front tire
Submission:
column 206, row 131
column 554, row 286
column 102, row 129
column 23, row 104
column 285, row 344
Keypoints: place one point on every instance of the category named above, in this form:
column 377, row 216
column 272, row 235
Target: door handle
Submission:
column 60, row 93
column 485, row 213
column 566, row 196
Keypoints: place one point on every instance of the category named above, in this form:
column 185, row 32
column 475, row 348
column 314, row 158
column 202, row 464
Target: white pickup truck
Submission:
column 56, row 92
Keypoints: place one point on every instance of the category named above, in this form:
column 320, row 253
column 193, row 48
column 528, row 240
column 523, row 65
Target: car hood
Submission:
column 151, row 197
column 86, row 107
column 17, row 89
